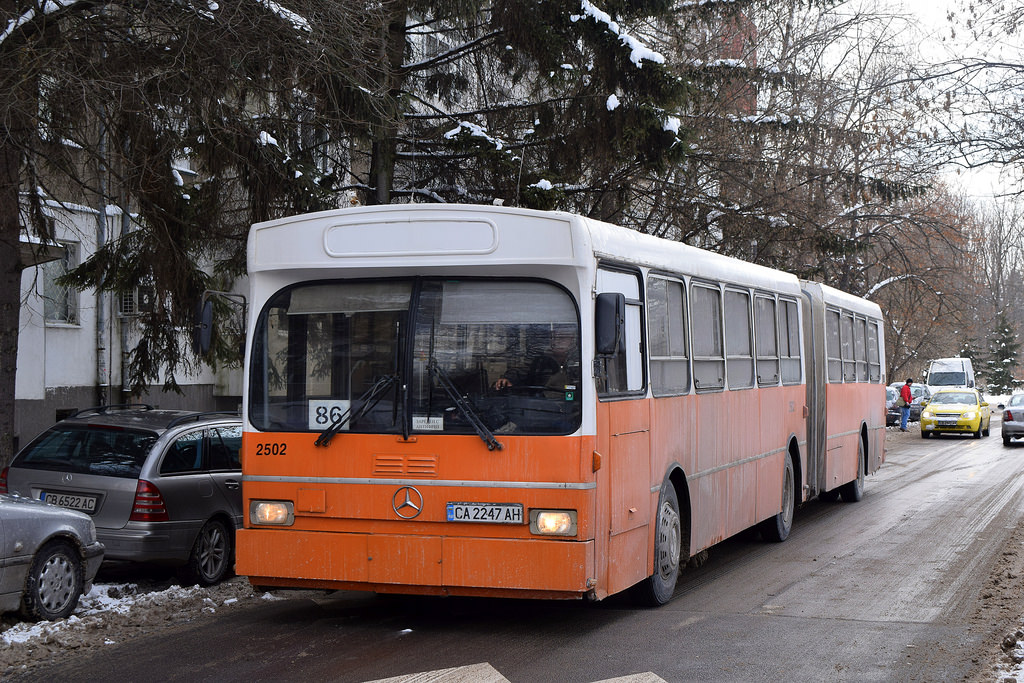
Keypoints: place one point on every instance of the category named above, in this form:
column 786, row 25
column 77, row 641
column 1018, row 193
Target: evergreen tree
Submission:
column 103, row 104
column 1001, row 364
column 558, row 104
column 969, row 349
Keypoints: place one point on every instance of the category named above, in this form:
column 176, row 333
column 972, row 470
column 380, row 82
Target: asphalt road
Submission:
column 913, row 583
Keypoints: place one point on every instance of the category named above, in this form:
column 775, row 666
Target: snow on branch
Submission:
column 638, row 51
column 297, row 21
column 476, row 131
column 44, row 8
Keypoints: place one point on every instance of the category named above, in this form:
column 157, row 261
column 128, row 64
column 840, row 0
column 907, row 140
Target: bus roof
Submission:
column 835, row 297
column 460, row 234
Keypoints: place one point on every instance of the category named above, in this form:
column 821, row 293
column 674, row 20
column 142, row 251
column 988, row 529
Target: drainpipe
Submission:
column 102, row 366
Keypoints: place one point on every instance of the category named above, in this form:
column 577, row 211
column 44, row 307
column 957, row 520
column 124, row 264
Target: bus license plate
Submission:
column 70, row 500
column 488, row 513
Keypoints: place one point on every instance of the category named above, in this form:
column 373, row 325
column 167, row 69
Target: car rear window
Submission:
column 105, row 451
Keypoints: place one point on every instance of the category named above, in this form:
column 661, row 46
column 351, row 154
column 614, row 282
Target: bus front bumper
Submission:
column 431, row 565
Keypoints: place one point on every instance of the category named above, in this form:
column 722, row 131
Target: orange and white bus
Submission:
column 489, row 401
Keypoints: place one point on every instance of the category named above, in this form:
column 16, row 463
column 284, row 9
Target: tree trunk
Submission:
column 10, row 293
column 385, row 133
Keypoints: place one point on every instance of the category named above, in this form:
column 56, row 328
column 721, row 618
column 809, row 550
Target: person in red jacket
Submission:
column 908, row 398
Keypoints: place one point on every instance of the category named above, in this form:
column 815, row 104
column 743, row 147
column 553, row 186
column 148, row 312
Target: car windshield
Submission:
column 1016, row 400
column 954, row 397
column 947, row 378
column 890, row 394
column 108, row 451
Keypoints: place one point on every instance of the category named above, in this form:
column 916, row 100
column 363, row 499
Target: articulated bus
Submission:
column 490, row 401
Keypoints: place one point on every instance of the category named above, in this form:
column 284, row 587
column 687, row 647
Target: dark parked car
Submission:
column 162, row 486
column 48, row 558
column 892, row 412
column 920, row 392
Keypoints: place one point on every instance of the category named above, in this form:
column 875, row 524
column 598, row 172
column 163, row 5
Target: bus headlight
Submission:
column 275, row 512
column 553, row 522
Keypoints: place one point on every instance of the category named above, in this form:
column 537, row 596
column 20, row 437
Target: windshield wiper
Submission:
column 368, row 400
column 464, row 406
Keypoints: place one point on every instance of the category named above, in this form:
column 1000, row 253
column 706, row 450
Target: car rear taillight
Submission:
column 3, row 479
column 1007, row 417
column 149, row 504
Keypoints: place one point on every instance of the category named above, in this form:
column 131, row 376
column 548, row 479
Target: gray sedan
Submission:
column 1013, row 419
column 50, row 556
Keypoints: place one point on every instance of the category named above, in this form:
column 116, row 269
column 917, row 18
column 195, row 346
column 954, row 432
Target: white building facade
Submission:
column 73, row 345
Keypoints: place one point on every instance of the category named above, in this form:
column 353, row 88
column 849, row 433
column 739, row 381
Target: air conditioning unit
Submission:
column 135, row 301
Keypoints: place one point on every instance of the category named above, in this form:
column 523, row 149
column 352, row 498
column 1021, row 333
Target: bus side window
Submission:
column 859, row 334
column 874, row 363
column 832, row 346
column 622, row 372
column 846, row 337
column 766, row 340
column 739, row 361
column 666, row 324
column 789, row 338
column 708, row 349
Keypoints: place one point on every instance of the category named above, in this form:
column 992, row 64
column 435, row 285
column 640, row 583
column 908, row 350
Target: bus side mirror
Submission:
column 204, row 327
column 609, row 322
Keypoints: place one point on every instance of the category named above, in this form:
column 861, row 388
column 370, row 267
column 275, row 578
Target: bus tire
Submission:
column 657, row 588
column 777, row 528
column 853, row 491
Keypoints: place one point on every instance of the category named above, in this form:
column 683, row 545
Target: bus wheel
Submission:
column 668, row 538
column 854, row 490
column 777, row 528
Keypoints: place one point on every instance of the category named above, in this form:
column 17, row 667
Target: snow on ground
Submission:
column 112, row 613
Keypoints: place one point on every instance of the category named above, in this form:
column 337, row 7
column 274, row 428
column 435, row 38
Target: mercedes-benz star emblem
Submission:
column 407, row 502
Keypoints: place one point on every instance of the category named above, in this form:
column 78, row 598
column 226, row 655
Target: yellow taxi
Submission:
column 956, row 411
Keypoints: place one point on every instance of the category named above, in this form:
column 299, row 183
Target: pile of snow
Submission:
column 112, row 613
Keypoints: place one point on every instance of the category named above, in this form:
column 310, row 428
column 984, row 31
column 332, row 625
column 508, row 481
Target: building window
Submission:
column 60, row 302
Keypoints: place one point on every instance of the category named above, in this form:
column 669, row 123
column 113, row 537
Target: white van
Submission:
column 950, row 372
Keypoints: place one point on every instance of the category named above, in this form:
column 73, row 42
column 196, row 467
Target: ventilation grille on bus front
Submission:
column 408, row 465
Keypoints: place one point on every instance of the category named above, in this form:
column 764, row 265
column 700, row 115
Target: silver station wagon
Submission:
column 162, row 486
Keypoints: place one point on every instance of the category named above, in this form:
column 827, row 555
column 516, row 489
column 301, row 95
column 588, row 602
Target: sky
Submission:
column 937, row 43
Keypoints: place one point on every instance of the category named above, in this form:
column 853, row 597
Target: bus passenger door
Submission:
column 623, row 434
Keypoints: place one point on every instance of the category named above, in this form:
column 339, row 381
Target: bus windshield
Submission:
column 504, row 353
